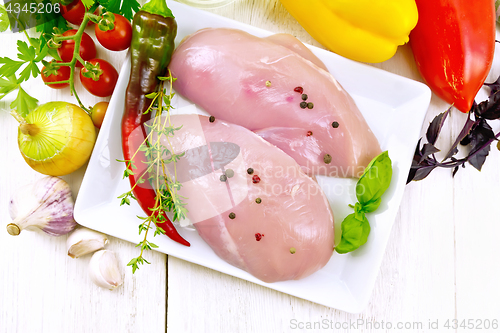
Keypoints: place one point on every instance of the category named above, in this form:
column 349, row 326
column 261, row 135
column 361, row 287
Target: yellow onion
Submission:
column 56, row 138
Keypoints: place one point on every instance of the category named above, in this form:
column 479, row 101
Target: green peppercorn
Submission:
column 335, row 124
column 303, row 105
column 310, row 105
column 223, row 178
column 268, row 83
column 232, row 216
column 292, row 250
column 229, row 173
column 258, row 200
column 327, row 158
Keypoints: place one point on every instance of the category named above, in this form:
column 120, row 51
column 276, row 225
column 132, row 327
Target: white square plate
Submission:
column 393, row 106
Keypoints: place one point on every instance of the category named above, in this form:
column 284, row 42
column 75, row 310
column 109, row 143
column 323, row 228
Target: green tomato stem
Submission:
column 57, row 82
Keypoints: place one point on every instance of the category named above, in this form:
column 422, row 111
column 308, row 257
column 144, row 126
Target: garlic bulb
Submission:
column 104, row 270
column 46, row 204
column 83, row 241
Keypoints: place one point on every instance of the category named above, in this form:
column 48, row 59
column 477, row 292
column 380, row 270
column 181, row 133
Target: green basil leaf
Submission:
column 374, row 182
column 355, row 231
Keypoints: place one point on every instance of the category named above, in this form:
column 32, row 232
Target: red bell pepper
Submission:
column 453, row 45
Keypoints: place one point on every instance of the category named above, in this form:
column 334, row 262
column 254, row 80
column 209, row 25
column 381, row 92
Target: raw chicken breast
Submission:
column 273, row 221
column 225, row 71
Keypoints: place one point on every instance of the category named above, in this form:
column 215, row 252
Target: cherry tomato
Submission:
column 106, row 83
column 61, row 74
column 118, row 38
column 98, row 112
column 74, row 12
column 87, row 48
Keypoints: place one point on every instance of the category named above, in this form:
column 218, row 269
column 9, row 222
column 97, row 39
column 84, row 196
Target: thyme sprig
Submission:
column 163, row 179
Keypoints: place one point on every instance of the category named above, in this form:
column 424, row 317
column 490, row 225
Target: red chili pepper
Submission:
column 453, row 44
column 149, row 59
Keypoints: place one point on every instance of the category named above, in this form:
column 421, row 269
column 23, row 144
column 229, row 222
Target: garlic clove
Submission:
column 83, row 241
column 46, row 204
column 104, row 270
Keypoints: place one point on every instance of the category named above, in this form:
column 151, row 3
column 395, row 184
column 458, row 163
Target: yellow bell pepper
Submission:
column 362, row 30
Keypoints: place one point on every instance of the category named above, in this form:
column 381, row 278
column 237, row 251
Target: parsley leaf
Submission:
column 9, row 67
column 23, row 103
column 28, row 54
column 88, row 3
column 4, row 19
column 7, row 85
column 127, row 8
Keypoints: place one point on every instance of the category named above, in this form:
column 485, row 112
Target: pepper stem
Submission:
column 13, row 229
column 29, row 129
column 158, row 7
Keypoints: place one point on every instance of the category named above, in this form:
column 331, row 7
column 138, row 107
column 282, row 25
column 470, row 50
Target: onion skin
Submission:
column 57, row 138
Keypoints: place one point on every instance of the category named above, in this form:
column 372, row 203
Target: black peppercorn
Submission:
column 304, row 97
column 249, row 171
column 335, row 124
column 232, row 216
column 211, row 119
column 303, row 105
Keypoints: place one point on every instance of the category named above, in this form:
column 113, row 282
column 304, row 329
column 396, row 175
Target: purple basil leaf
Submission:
column 477, row 159
column 481, row 137
column 489, row 109
column 427, row 150
column 435, row 127
column 423, row 172
column 494, row 87
column 467, row 127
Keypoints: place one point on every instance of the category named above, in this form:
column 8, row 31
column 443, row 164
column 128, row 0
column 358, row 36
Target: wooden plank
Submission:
column 41, row 288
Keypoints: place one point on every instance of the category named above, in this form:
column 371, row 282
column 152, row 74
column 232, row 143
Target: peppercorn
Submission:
column 255, row 179
column 292, row 250
column 223, row 178
column 268, row 84
column 300, row 90
column 258, row 200
column 335, row 124
column 258, row 236
column 232, row 216
column 327, row 158
column 304, row 97
column 303, row 105
column 211, row 119
column 310, row 105
column 309, row 133
column 249, row 171
column 229, row 173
